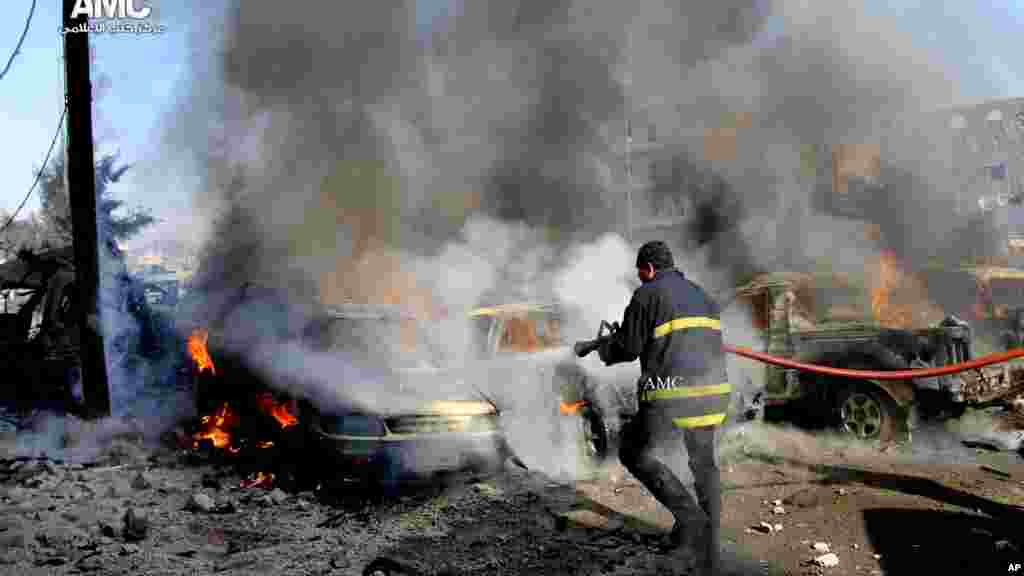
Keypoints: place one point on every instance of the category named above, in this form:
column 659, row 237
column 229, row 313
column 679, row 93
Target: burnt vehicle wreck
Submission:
column 382, row 411
column 835, row 335
column 39, row 330
column 424, row 418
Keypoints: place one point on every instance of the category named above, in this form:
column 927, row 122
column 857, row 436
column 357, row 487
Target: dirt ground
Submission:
column 878, row 512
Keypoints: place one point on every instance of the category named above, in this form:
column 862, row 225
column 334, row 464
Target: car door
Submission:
column 527, row 344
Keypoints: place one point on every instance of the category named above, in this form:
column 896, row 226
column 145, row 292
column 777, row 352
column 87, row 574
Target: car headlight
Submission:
column 353, row 425
column 483, row 423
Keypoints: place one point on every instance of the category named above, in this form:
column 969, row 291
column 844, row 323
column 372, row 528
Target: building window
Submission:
column 652, row 132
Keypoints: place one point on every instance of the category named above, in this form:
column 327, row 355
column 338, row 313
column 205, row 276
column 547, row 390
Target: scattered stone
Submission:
column 806, row 498
column 278, row 496
column 180, row 548
column 587, row 519
column 51, row 561
column 141, row 482
column 856, row 546
column 135, row 525
column 778, row 510
column 210, row 481
column 129, row 549
column 777, row 527
column 110, row 528
column 763, row 528
column 486, row 489
column 829, row 560
column 200, row 502
column 878, row 556
column 227, row 507
column 841, row 491
column 776, row 502
column 13, row 533
column 820, row 547
column 68, row 492
column 15, row 494
column 118, row 489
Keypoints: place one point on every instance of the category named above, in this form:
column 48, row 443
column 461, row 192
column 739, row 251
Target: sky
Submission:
column 136, row 79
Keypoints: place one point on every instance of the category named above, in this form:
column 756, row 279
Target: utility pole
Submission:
column 629, row 136
column 81, row 187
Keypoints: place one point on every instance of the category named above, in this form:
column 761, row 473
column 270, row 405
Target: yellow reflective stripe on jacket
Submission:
column 686, row 392
column 699, row 421
column 686, row 323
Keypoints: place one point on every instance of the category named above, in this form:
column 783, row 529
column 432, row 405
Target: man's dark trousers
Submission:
column 700, row 518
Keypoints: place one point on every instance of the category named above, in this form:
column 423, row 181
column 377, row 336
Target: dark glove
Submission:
column 606, row 353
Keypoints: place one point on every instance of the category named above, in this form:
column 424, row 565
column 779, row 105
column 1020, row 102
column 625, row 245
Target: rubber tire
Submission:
column 892, row 417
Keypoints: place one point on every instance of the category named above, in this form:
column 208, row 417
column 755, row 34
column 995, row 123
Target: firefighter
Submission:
column 673, row 327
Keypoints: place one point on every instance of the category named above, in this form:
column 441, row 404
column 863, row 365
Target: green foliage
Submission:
column 116, row 222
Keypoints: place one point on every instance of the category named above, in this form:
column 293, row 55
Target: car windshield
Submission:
column 395, row 342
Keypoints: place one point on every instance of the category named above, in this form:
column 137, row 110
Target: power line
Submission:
column 17, row 48
column 39, row 174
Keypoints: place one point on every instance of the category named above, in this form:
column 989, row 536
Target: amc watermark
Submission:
column 114, row 17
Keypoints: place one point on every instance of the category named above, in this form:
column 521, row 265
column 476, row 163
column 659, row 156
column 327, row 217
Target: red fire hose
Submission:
column 879, row 374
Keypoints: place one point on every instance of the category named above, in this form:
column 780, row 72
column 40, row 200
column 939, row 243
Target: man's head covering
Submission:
column 657, row 254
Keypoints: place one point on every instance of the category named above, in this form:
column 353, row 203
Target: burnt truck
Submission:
column 816, row 319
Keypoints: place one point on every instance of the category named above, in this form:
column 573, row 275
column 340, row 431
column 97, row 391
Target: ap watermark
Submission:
column 114, row 17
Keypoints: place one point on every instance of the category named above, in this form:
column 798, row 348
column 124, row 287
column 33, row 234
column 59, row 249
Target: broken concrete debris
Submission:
column 765, row 528
column 829, row 560
column 200, row 502
column 141, row 482
column 135, row 525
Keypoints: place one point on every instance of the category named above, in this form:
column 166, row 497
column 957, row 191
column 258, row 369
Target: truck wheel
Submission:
column 869, row 414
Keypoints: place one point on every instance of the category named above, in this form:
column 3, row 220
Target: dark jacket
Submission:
column 674, row 328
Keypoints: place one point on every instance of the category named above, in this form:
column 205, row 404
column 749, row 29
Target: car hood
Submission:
column 430, row 391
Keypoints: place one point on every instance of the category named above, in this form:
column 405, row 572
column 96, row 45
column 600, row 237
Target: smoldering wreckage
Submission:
column 338, row 355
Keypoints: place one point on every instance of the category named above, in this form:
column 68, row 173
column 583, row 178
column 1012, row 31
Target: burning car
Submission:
column 590, row 404
column 418, row 419
column 374, row 403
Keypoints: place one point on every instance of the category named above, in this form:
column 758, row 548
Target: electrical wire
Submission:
column 39, row 174
column 17, row 47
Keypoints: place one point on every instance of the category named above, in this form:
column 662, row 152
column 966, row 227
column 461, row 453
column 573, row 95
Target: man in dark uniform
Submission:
column 674, row 328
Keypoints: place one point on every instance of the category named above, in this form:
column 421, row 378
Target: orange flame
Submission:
column 569, row 409
column 198, row 351
column 257, row 480
column 911, row 308
column 265, row 444
column 886, row 281
column 278, row 410
column 217, row 427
